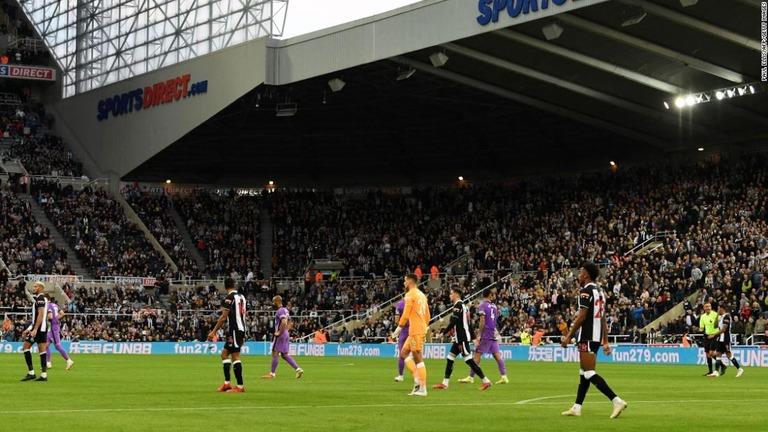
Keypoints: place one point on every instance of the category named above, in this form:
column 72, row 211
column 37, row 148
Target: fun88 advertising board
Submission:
column 749, row 356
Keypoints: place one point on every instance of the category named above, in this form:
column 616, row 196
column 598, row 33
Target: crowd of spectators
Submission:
column 97, row 229
column 714, row 213
column 225, row 230
column 376, row 233
column 26, row 247
column 40, row 152
column 155, row 212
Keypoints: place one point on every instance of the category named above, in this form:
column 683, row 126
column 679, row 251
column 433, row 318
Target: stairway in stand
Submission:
column 77, row 266
column 189, row 243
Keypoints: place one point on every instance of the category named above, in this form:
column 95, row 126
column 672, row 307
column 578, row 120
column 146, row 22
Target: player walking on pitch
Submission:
column 54, row 336
column 37, row 332
column 281, row 341
column 461, row 342
column 489, row 337
column 416, row 314
column 593, row 330
column 233, row 312
column 723, row 344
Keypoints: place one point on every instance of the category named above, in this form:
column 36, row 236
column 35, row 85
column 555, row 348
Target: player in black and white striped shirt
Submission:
column 462, row 339
column 232, row 311
column 723, row 343
column 37, row 332
column 593, row 332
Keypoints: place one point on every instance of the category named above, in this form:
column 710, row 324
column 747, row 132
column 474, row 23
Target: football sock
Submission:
column 475, row 368
column 409, row 363
column 48, row 353
column 421, row 370
column 28, row 359
column 735, row 362
column 238, row 367
column 448, row 368
column 718, row 365
column 43, row 365
column 502, row 367
column 581, row 393
column 227, row 365
column 61, row 351
column 709, row 364
column 601, row 385
column 291, row 362
column 274, row 364
column 400, row 366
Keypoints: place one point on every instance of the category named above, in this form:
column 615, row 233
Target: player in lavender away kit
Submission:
column 281, row 341
column 54, row 336
column 232, row 312
column 399, row 308
column 489, row 337
column 37, row 332
column 593, row 331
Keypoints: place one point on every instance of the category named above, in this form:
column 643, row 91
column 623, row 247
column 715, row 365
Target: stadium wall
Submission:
column 116, row 128
column 749, row 356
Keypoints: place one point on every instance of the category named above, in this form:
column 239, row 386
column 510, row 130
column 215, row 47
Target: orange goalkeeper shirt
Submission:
column 416, row 312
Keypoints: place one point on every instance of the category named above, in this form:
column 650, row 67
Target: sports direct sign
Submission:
column 172, row 90
column 28, row 72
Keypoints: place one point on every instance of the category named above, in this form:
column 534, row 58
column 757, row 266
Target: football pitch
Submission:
column 178, row 393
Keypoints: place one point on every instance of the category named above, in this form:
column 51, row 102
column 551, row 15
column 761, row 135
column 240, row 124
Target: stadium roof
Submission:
column 506, row 103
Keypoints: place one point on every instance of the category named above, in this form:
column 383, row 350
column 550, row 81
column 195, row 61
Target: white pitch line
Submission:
column 630, row 402
column 344, row 406
column 528, row 401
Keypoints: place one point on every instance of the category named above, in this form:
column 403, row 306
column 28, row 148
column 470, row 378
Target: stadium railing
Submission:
column 468, row 298
column 376, row 309
column 658, row 237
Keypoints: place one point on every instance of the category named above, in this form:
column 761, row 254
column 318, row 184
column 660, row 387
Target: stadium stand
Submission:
column 154, row 211
column 225, row 230
column 714, row 214
column 97, row 229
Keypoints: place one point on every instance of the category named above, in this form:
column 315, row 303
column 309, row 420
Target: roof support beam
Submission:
column 667, row 117
column 695, row 23
column 533, row 102
column 610, row 68
column 591, row 61
column 681, row 58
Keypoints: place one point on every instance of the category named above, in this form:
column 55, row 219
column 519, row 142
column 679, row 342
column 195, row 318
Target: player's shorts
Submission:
column 54, row 337
column 710, row 344
column 589, row 346
column 722, row 347
column 401, row 341
column 415, row 343
column 40, row 337
column 461, row 349
column 234, row 342
column 488, row 346
column 281, row 344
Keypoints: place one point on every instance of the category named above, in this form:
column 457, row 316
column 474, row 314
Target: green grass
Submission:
column 177, row 393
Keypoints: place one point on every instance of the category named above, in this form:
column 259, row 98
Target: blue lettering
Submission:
column 125, row 98
column 531, row 6
column 485, row 12
column 116, row 106
column 498, row 6
column 103, row 113
column 514, row 8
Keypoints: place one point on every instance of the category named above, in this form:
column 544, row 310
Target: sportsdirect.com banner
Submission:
column 639, row 354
